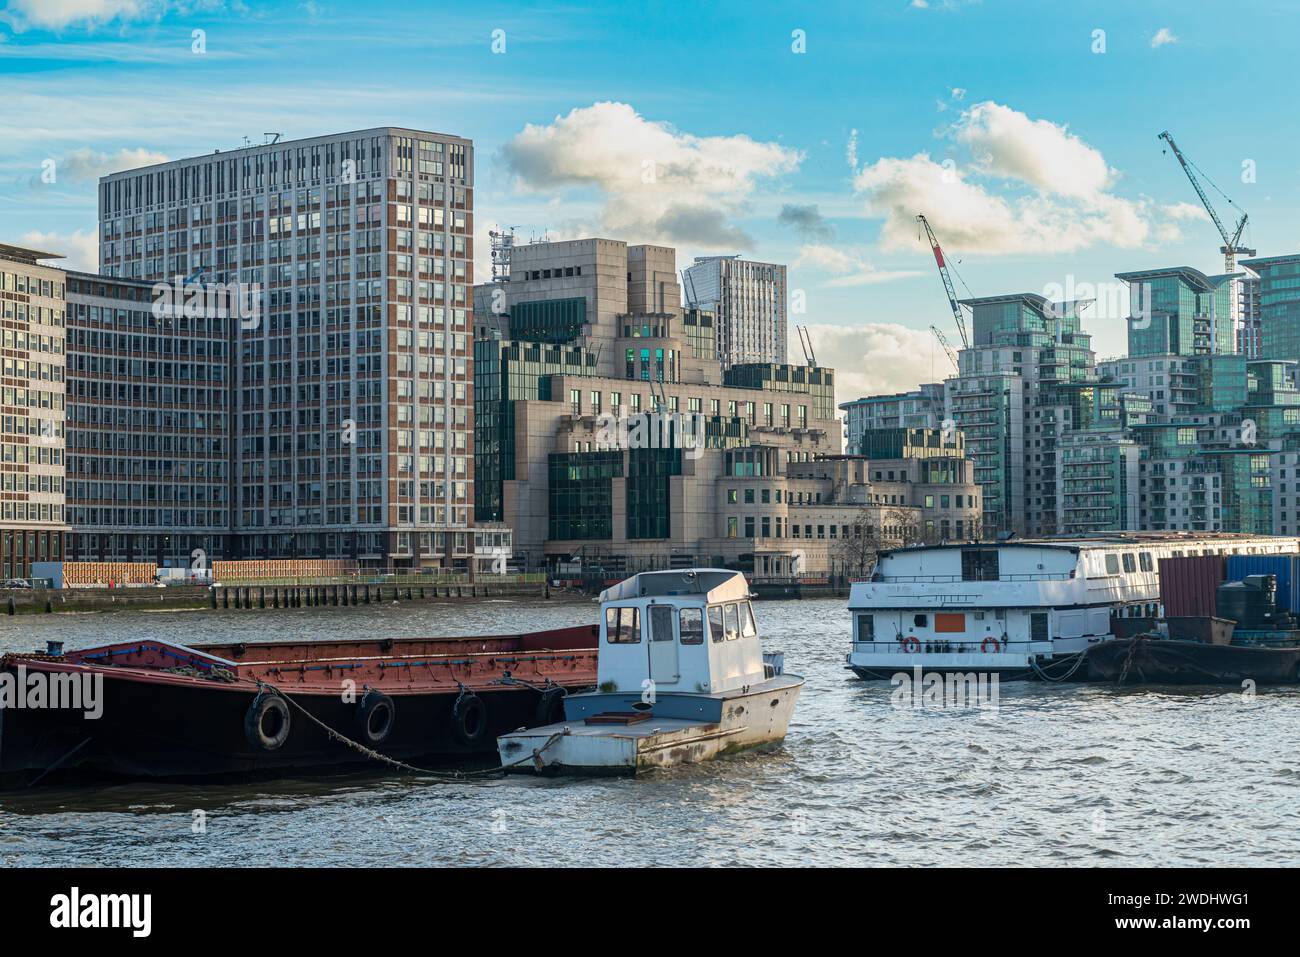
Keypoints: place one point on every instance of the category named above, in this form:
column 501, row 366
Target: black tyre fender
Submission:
column 267, row 722
column 469, row 720
column 376, row 715
column 550, row 707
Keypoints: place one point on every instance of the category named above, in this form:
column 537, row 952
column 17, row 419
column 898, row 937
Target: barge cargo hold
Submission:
column 1147, row 660
column 266, row 708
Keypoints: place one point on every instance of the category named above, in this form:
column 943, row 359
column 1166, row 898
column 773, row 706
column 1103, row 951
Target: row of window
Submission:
column 727, row 622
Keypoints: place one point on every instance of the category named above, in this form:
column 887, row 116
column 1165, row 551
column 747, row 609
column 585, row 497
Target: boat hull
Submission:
column 1166, row 661
column 682, row 729
column 176, row 712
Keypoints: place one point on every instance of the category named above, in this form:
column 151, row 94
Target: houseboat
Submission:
column 682, row 677
column 155, row 709
column 1018, row 608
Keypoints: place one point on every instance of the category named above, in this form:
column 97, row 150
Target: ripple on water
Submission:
column 1058, row 774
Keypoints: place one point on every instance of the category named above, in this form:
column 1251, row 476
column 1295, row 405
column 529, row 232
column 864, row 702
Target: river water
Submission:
column 1053, row 774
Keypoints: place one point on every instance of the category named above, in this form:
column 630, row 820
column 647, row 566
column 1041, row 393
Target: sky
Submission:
column 804, row 134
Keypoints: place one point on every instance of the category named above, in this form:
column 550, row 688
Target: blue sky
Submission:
column 703, row 126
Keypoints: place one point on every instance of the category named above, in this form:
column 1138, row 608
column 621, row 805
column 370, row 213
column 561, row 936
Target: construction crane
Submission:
column 805, row 343
column 957, row 314
column 947, row 348
column 1229, row 247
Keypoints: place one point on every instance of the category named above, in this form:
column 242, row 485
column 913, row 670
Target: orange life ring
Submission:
column 984, row 645
column 912, row 643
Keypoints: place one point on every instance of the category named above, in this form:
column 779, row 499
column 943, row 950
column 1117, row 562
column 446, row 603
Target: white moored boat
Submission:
column 681, row 678
column 1018, row 608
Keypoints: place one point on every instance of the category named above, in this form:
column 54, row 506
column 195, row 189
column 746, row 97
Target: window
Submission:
column 979, row 565
column 715, row 623
column 1130, row 565
column 747, row 626
column 622, row 626
column 1038, row 626
column 919, row 620
column 691, row 626
column 1144, row 560
column 733, row 621
column 866, row 628
column 1112, row 565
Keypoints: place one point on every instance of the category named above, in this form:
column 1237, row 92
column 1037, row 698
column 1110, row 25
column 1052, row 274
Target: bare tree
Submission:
column 871, row 530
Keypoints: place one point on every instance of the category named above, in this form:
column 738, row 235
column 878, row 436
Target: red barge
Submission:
column 259, row 708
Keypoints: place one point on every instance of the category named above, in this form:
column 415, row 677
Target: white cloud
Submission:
column 86, row 165
column 851, row 151
column 56, row 14
column 1186, row 211
column 80, row 249
column 1029, row 186
column 1009, row 144
column 656, row 183
column 847, row 267
column 1162, row 37
column 877, row 358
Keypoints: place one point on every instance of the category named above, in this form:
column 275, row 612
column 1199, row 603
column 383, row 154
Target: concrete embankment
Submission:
column 248, row 596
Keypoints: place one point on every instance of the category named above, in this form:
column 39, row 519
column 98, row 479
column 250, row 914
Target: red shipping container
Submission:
column 1188, row 584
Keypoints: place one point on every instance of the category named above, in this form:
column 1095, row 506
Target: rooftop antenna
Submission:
column 246, row 142
column 275, row 138
column 503, row 241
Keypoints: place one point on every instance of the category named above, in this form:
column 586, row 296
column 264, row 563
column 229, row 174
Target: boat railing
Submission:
column 942, row 647
column 946, row 579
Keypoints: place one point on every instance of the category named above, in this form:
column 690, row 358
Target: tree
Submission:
column 871, row 530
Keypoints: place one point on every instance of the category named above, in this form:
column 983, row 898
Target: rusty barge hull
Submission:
column 1170, row 661
column 191, row 712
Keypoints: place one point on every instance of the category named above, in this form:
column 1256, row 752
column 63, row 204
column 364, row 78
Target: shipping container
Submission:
column 1188, row 584
column 1284, row 568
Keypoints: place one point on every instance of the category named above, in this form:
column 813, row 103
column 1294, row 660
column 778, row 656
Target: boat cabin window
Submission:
column 1144, row 560
column 691, row 626
column 979, row 565
column 1112, row 564
column 1038, row 626
column 866, row 628
column 733, row 621
column 623, row 625
column 1129, row 564
column 919, row 620
column 747, row 626
column 715, row 623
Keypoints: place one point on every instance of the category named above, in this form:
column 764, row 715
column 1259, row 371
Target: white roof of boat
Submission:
column 1094, row 540
column 710, row 584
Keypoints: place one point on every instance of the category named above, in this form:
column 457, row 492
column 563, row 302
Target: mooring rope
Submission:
column 1077, row 662
column 402, row 765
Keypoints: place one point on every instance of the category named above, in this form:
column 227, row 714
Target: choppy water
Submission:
column 1057, row 774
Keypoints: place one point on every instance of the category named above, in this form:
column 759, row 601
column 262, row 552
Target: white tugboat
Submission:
column 681, row 678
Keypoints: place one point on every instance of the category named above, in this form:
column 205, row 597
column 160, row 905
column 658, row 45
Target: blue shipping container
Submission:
column 1285, row 567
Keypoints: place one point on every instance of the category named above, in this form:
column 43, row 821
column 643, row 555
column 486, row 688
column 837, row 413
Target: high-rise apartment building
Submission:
column 1279, row 305
column 352, row 259
column 150, row 428
column 1180, row 311
column 33, row 313
column 750, row 301
column 919, row 409
column 1016, row 392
